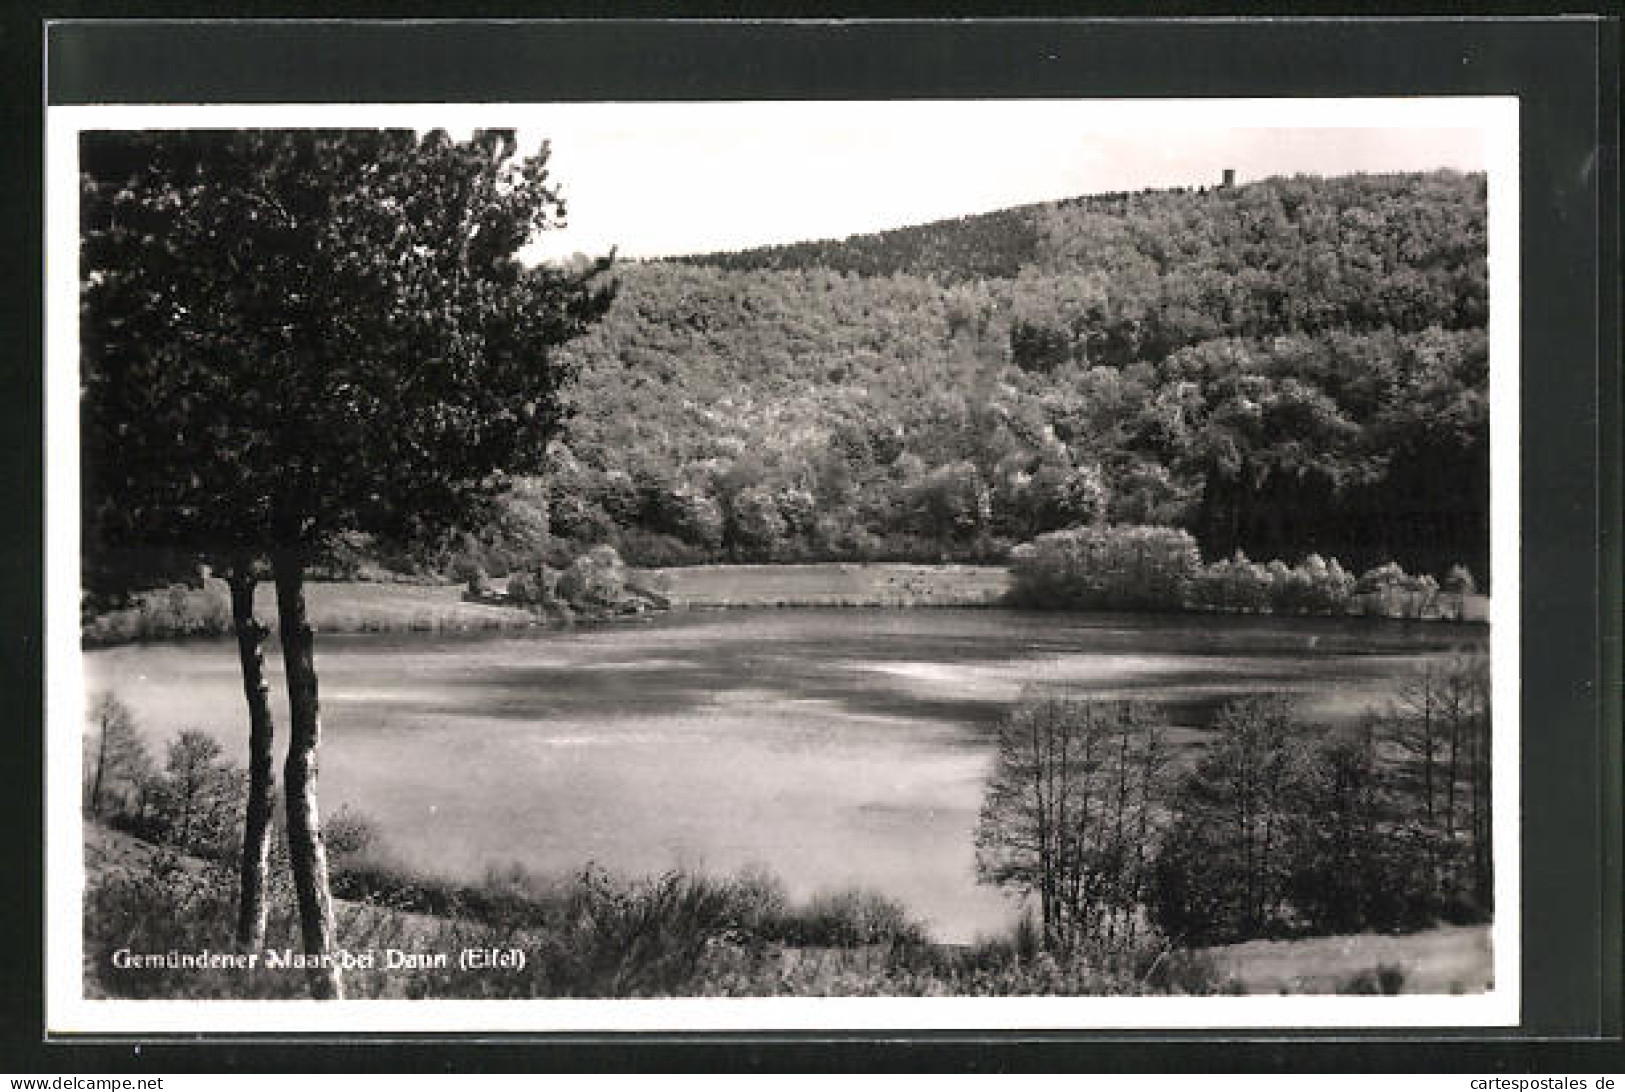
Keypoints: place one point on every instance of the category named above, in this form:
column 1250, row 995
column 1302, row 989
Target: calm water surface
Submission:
column 834, row 747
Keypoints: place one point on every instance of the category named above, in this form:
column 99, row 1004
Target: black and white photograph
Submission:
column 761, row 564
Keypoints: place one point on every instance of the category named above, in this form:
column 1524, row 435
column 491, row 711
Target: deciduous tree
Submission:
column 1223, row 869
column 1069, row 810
column 117, row 760
column 288, row 335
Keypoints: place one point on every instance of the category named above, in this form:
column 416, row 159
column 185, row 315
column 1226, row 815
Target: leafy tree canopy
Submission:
column 290, row 334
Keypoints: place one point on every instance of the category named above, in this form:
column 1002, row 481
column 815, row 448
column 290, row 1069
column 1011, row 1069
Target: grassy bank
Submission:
column 835, row 584
column 1447, row 960
column 338, row 607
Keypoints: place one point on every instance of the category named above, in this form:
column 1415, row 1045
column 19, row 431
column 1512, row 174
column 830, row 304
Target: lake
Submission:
column 836, row 748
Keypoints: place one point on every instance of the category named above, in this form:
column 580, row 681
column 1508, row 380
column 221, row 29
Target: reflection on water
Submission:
column 834, row 747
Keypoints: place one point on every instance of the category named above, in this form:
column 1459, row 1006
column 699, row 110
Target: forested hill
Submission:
column 1291, row 366
column 1422, row 233
column 992, row 244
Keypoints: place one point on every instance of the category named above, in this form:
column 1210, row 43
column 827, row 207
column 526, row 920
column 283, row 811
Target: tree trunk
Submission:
column 101, row 765
column 307, row 856
column 256, row 862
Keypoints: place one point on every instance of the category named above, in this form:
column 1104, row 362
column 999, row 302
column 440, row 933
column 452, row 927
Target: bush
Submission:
column 1234, row 584
column 194, row 803
column 176, row 611
column 1186, row 972
column 479, row 587
column 533, row 587
column 1387, row 979
column 848, row 919
column 348, row 834
column 642, row 939
column 653, row 550
column 594, row 581
column 1160, row 568
column 162, row 904
column 755, row 529
column 1327, row 586
column 1106, row 568
column 1459, row 581
column 1313, row 586
column 1388, row 591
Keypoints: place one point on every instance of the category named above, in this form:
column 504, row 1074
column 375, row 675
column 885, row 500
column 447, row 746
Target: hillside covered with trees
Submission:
column 1294, row 366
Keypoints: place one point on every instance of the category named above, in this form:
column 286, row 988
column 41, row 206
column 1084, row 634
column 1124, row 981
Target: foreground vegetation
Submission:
column 684, row 935
column 590, row 935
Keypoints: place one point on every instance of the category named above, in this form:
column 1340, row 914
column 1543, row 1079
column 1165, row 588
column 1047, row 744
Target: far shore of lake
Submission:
column 368, row 607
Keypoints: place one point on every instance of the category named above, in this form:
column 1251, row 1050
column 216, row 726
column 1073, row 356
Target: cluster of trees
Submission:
column 1277, row 828
column 1383, row 827
column 1291, row 366
column 1134, row 567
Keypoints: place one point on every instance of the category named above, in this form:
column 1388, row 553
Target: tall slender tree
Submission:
column 117, row 760
column 288, row 335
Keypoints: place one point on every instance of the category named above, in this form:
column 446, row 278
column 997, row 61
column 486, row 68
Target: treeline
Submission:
column 1161, row 569
column 1294, row 366
column 1278, row 829
column 989, row 245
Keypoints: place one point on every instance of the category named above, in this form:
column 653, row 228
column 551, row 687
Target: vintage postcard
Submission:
column 1043, row 564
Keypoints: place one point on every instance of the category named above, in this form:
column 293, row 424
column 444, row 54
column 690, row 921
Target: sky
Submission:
column 660, row 179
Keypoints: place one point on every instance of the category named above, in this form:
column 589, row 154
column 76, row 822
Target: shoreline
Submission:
column 362, row 607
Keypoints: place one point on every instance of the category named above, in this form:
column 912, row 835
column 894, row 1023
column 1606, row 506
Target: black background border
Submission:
column 1565, row 73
